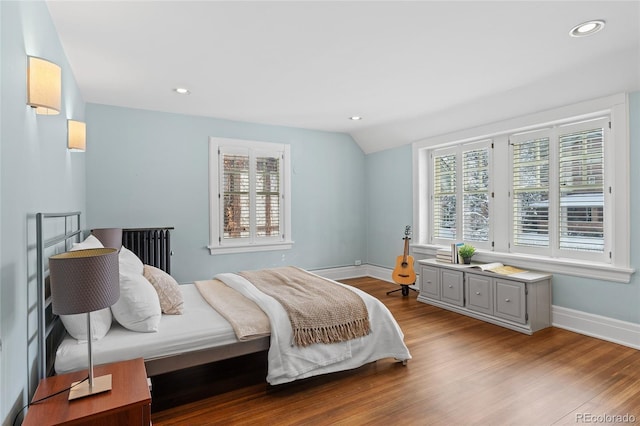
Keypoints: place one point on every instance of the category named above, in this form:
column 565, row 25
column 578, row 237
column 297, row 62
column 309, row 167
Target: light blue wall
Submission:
column 37, row 174
column 389, row 207
column 389, row 204
column 149, row 168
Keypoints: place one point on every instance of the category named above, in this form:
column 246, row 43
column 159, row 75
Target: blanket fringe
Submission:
column 331, row 334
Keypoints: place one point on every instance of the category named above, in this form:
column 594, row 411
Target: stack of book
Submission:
column 449, row 255
column 443, row 255
column 455, row 257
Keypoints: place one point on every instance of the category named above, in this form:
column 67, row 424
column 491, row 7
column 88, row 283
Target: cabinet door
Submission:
column 451, row 287
column 429, row 282
column 510, row 300
column 479, row 293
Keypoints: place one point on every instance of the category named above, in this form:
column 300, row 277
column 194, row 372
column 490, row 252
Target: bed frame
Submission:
column 56, row 232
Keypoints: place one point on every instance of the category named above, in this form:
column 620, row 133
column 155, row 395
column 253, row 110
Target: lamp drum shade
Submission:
column 76, row 135
column 44, row 86
column 84, row 280
column 109, row 237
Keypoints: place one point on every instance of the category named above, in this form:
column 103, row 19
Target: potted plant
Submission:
column 466, row 251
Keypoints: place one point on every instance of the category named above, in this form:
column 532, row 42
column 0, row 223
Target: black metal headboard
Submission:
column 54, row 231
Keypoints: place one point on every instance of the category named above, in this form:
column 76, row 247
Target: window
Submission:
column 577, row 184
column 444, row 195
column 530, row 189
column 468, row 164
column 250, row 196
column 548, row 191
column 581, row 164
column 475, row 193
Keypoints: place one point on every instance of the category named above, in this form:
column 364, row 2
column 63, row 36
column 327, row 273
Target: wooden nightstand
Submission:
column 127, row 403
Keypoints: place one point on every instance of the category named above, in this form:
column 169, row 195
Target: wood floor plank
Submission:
column 463, row 371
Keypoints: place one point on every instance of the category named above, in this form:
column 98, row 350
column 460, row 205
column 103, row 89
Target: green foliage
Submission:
column 466, row 251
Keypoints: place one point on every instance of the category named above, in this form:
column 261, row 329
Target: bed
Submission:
column 201, row 335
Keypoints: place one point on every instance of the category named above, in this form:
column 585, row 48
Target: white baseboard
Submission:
column 604, row 328
column 345, row 272
column 342, row 272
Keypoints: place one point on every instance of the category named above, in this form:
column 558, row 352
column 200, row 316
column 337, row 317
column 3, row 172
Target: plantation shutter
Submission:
column 267, row 196
column 444, row 195
column 251, row 194
column 236, row 206
column 530, row 161
column 581, row 181
column 475, row 194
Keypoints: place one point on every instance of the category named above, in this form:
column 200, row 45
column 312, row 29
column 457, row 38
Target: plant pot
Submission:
column 466, row 260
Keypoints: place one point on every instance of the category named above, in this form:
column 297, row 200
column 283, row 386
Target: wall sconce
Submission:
column 76, row 136
column 44, row 86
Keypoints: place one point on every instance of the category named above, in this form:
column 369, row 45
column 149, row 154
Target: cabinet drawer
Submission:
column 452, row 288
column 510, row 300
column 479, row 294
column 429, row 282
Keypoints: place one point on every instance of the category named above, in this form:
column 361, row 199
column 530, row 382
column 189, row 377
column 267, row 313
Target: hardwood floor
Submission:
column 463, row 371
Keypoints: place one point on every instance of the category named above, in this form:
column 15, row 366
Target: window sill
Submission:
column 284, row 245
column 571, row 267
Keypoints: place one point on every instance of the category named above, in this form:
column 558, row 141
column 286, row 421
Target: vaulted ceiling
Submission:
column 410, row 69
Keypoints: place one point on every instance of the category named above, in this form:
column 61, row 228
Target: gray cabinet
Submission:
column 442, row 284
column 521, row 301
column 479, row 293
column 510, row 300
column 430, row 282
column 452, row 286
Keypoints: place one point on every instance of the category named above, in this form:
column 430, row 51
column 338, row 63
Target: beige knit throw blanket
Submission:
column 320, row 311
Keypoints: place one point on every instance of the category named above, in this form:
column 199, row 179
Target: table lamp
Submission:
column 109, row 237
column 84, row 281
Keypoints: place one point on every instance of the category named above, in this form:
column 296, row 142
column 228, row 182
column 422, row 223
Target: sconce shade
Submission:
column 109, row 237
column 44, row 86
column 76, row 135
column 84, row 280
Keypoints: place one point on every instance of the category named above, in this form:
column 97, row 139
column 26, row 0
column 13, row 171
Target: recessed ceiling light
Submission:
column 587, row 28
column 182, row 90
column 355, row 118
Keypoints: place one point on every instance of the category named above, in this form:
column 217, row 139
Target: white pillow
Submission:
column 138, row 308
column 129, row 262
column 101, row 320
column 76, row 324
column 90, row 242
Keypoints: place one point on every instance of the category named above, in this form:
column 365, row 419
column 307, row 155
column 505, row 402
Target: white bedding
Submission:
column 199, row 327
column 288, row 362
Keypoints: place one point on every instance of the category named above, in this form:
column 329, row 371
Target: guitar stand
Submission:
column 404, row 288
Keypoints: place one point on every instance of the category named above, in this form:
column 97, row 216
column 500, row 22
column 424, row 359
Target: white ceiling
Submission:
column 412, row 69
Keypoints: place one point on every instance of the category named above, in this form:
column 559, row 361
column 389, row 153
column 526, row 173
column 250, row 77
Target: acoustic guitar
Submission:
column 403, row 273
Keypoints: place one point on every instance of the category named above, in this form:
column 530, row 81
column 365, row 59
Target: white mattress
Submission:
column 199, row 327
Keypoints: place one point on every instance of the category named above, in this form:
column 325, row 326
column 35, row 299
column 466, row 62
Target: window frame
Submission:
column 254, row 243
column 444, row 152
column 460, row 192
column 553, row 134
column 606, row 195
column 617, row 200
column 517, row 139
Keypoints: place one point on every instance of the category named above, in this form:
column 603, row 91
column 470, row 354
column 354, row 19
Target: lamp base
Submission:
column 100, row 384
